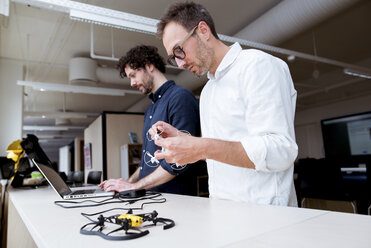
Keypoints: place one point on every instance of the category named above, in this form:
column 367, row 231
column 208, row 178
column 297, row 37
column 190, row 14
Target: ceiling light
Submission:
column 62, row 121
column 44, row 128
column 56, row 114
column 115, row 19
column 51, row 128
column 315, row 74
column 55, row 136
column 291, row 58
column 76, row 89
column 357, row 73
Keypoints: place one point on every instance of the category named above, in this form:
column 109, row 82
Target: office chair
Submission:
column 321, row 179
column 6, row 168
column 94, row 177
column 69, row 180
column 78, row 178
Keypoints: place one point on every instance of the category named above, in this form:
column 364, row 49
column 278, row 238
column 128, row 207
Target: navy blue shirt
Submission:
column 178, row 107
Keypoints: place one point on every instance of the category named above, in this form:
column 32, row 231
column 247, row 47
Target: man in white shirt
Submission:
column 247, row 112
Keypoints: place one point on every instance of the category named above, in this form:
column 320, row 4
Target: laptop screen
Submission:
column 54, row 179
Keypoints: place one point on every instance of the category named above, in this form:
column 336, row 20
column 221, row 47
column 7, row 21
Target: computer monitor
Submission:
column 347, row 139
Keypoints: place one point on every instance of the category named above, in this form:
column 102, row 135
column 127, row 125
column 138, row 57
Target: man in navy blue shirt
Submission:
column 170, row 103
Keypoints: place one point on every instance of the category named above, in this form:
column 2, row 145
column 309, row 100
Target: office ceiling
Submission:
column 45, row 40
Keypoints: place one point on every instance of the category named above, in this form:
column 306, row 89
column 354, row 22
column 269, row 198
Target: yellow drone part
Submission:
column 15, row 153
column 14, row 150
column 13, row 156
column 15, row 147
column 134, row 220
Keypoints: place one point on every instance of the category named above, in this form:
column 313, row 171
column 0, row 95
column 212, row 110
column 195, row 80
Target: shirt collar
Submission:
column 160, row 91
column 228, row 59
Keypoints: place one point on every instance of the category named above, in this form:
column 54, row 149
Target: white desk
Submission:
column 200, row 222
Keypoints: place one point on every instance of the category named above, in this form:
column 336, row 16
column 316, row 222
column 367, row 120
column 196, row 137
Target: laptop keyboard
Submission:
column 81, row 192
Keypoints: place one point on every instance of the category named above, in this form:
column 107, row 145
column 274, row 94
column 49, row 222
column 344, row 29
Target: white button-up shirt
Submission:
column 251, row 99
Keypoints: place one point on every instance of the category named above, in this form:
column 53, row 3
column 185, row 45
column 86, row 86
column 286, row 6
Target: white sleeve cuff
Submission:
column 256, row 151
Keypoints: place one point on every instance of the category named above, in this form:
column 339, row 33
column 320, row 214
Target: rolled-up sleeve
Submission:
column 270, row 100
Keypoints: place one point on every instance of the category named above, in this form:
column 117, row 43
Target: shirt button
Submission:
column 144, row 151
column 141, row 168
column 150, row 116
column 159, row 96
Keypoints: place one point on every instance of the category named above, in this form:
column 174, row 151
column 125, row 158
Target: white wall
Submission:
column 10, row 103
column 93, row 135
column 64, row 159
column 118, row 126
column 308, row 124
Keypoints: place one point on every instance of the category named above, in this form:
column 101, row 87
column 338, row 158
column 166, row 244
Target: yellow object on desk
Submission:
column 15, row 152
column 134, row 220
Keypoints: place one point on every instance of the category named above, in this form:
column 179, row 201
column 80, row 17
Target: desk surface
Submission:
column 200, row 222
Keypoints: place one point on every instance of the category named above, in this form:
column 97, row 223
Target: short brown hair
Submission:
column 138, row 57
column 187, row 14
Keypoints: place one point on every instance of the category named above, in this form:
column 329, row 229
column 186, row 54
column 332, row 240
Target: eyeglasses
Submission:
column 178, row 51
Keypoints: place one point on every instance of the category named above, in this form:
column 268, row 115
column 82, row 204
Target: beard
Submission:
column 204, row 55
column 147, row 83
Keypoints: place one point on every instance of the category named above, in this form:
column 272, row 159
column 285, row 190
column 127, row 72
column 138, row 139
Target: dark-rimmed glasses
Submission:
column 178, row 51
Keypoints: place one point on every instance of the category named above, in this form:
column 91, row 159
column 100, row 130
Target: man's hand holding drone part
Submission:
column 176, row 149
column 176, row 145
column 157, row 137
column 163, row 133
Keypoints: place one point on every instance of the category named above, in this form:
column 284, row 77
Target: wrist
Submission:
column 137, row 185
column 203, row 148
column 134, row 177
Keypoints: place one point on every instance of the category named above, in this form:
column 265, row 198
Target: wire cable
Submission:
column 113, row 200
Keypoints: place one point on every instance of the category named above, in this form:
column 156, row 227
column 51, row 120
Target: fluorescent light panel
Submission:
column 44, row 128
column 51, row 128
column 54, row 141
column 110, row 20
column 76, row 88
column 69, row 115
column 55, row 136
column 357, row 73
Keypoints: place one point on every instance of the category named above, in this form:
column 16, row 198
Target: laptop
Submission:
column 63, row 189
